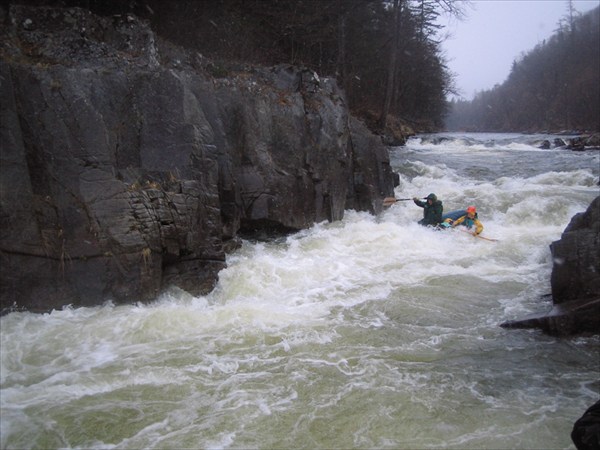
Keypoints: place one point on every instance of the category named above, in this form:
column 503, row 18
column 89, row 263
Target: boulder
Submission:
column 576, row 144
column 559, row 143
column 128, row 164
column 575, row 279
column 584, row 142
column 592, row 141
column 545, row 144
column 576, row 269
column 586, row 430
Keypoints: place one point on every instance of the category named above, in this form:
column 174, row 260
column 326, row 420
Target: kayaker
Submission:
column 469, row 220
column 432, row 210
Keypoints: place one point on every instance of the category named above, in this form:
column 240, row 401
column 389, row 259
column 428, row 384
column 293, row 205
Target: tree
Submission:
column 555, row 86
column 392, row 67
column 365, row 44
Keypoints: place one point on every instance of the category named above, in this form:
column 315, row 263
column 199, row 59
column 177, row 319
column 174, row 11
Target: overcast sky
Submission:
column 482, row 47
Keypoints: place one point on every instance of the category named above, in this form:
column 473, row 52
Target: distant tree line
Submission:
column 554, row 87
column 385, row 53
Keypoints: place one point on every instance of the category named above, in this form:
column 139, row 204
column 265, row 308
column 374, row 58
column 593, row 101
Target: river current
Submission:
column 370, row 332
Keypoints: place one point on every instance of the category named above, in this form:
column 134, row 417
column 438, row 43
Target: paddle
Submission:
column 477, row 236
column 388, row 201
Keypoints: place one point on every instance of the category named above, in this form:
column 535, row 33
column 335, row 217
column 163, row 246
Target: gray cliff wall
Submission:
column 576, row 269
column 575, row 279
column 128, row 164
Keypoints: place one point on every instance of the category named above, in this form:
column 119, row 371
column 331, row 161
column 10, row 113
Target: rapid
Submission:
column 371, row 332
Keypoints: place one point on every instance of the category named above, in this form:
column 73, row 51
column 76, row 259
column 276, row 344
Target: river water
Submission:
column 371, row 332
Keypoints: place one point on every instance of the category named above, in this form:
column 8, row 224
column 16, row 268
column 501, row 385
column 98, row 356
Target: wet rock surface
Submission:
column 575, row 279
column 129, row 164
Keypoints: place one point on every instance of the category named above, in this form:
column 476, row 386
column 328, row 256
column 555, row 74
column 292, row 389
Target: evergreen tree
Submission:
column 554, row 87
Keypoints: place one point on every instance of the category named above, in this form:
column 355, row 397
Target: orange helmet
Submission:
column 471, row 209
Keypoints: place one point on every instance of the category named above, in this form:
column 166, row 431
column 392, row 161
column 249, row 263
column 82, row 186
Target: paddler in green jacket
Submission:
column 432, row 210
column 470, row 221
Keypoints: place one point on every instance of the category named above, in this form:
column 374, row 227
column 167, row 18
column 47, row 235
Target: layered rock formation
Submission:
column 575, row 279
column 128, row 164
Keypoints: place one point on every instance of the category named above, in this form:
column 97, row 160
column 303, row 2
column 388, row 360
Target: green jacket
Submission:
column 432, row 214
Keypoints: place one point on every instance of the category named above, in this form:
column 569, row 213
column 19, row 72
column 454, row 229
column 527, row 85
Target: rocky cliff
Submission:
column 575, row 279
column 128, row 164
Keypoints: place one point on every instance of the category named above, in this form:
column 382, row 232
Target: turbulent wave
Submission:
column 482, row 141
column 368, row 332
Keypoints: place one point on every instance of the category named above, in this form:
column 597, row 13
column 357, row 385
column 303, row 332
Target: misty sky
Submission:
column 482, row 47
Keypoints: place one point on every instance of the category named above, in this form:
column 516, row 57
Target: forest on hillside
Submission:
column 554, row 87
column 385, row 54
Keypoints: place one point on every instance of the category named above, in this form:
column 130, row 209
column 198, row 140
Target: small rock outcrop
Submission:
column 575, row 279
column 586, row 430
column 576, row 270
column 128, row 164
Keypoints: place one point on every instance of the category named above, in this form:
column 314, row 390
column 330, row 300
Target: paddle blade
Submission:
column 480, row 237
column 487, row 239
column 388, row 201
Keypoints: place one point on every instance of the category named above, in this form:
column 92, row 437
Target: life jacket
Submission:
column 468, row 222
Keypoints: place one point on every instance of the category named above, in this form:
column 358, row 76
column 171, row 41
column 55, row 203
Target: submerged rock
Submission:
column 574, row 317
column 128, row 164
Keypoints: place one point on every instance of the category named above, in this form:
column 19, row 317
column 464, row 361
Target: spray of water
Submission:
column 368, row 332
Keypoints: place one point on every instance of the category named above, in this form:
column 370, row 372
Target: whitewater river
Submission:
column 372, row 332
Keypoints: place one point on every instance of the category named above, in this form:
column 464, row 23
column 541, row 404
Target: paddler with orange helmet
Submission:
column 470, row 220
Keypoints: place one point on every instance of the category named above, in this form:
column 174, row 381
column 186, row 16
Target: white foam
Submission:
column 369, row 315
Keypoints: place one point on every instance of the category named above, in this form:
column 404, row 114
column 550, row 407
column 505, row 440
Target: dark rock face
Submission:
column 576, row 270
column 586, row 430
column 126, row 166
column 575, row 279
